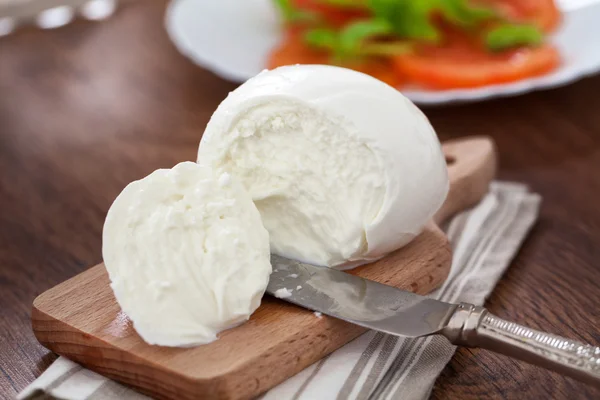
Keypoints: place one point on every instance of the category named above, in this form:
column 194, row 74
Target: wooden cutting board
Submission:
column 81, row 320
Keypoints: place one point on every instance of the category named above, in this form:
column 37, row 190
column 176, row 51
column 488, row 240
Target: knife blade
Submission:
column 398, row 312
column 359, row 301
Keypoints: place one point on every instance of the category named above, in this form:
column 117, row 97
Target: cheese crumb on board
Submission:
column 283, row 293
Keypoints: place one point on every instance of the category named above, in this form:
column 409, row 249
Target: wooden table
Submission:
column 87, row 108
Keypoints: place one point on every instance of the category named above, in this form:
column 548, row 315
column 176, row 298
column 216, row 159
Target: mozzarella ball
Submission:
column 342, row 167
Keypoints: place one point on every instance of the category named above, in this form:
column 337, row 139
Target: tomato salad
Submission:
column 437, row 44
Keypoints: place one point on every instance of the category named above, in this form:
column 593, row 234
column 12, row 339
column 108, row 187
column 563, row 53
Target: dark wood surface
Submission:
column 89, row 107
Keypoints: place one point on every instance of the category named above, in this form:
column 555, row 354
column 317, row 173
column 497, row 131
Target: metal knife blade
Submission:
column 357, row 300
column 401, row 313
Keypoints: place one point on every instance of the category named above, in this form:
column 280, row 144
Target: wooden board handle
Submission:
column 471, row 168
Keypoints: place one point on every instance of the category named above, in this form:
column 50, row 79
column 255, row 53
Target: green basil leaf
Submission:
column 382, row 8
column 353, row 35
column 322, row 38
column 350, row 43
column 507, row 36
column 461, row 13
column 408, row 18
column 345, row 4
column 292, row 14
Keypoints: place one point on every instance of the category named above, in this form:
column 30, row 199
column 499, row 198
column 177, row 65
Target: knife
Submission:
column 401, row 313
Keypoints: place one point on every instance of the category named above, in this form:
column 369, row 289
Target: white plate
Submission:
column 233, row 39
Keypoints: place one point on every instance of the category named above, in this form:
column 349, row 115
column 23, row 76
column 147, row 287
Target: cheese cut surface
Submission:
column 187, row 254
column 342, row 167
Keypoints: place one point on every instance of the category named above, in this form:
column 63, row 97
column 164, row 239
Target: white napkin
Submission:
column 375, row 365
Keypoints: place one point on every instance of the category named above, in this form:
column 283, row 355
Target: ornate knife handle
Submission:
column 474, row 326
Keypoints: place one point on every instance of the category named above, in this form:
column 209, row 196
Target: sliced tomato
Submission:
column 543, row 13
column 333, row 15
column 463, row 62
column 293, row 50
column 380, row 69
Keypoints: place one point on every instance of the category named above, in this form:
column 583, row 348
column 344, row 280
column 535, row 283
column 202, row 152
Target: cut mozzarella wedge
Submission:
column 187, row 254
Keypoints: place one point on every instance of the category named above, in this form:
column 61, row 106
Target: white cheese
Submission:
column 187, row 254
column 283, row 293
column 342, row 167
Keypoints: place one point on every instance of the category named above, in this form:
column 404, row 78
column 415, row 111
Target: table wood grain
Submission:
column 87, row 108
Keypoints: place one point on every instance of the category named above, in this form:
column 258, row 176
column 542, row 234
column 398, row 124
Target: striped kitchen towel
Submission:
column 375, row 365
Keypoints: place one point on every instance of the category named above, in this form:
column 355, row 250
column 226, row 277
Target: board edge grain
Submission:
column 244, row 380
